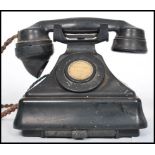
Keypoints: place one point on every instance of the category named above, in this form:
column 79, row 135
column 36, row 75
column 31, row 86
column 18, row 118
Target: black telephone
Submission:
column 80, row 98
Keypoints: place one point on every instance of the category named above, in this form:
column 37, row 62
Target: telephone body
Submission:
column 80, row 98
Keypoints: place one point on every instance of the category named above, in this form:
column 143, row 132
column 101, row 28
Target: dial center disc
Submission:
column 80, row 70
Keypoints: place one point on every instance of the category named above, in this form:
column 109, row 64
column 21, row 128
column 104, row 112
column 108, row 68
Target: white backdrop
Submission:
column 135, row 70
column 80, row 4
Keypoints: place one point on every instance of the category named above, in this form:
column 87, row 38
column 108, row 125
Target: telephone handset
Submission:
column 80, row 98
column 35, row 47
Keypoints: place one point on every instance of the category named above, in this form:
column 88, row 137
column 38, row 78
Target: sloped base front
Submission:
column 80, row 117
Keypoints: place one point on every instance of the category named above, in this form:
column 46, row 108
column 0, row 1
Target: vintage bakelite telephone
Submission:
column 80, row 98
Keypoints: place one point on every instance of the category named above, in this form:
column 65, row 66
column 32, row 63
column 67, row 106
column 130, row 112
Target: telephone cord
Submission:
column 9, row 107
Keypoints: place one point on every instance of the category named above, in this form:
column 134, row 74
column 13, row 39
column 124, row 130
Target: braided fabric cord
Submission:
column 8, row 42
column 6, row 105
column 9, row 107
column 9, row 110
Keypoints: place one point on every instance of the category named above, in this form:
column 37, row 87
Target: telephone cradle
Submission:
column 80, row 98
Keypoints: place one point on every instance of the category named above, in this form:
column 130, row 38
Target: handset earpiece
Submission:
column 130, row 40
column 34, row 48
